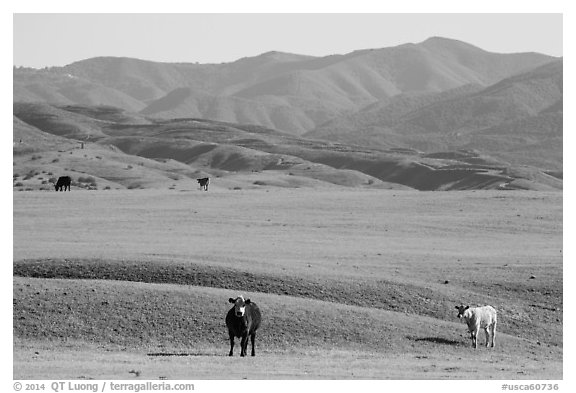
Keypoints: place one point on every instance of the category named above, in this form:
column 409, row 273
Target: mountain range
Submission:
column 440, row 99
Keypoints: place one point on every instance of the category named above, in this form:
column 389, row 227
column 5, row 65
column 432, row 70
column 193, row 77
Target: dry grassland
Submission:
column 352, row 283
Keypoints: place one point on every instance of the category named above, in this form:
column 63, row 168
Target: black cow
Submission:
column 242, row 321
column 204, row 183
column 63, row 181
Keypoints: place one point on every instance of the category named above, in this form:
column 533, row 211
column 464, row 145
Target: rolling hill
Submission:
column 518, row 114
column 436, row 115
column 133, row 152
column 284, row 91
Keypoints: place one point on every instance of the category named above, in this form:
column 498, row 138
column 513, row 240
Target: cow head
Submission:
column 239, row 305
column 461, row 310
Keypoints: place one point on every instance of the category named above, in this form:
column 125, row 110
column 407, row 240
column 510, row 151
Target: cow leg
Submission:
column 474, row 338
column 243, row 345
column 231, row 345
column 252, row 339
column 487, row 333
column 493, row 328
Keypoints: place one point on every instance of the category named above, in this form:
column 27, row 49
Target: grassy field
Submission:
column 352, row 283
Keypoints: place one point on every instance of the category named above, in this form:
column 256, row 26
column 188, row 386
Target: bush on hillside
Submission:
column 87, row 180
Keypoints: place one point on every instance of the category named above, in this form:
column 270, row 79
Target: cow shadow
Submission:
column 182, row 354
column 436, row 340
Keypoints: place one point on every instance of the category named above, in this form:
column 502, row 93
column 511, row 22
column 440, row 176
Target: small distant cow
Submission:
column 479, row 317
column 242, row 321
column 63, row 181
column 204, row 183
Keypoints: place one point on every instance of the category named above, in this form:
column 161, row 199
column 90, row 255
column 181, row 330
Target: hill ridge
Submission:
column 291, row 92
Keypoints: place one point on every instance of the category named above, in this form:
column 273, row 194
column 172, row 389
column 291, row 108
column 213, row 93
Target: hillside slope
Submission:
column 522, row 113
column 284, row 91
column 184, row 148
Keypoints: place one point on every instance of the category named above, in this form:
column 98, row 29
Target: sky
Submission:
column 57, row 39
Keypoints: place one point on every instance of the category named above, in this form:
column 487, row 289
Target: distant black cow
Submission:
column 242, row 321
column 204, row 183
column 63, row 181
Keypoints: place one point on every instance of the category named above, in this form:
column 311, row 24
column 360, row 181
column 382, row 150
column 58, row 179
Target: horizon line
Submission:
column 19, row 66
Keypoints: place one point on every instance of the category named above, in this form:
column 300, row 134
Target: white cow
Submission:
column 479, row 317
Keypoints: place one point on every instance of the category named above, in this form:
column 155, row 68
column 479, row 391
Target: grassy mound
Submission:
column 534, row 321
column 173, row 318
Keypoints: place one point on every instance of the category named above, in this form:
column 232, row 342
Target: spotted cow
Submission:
column 204, row 182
